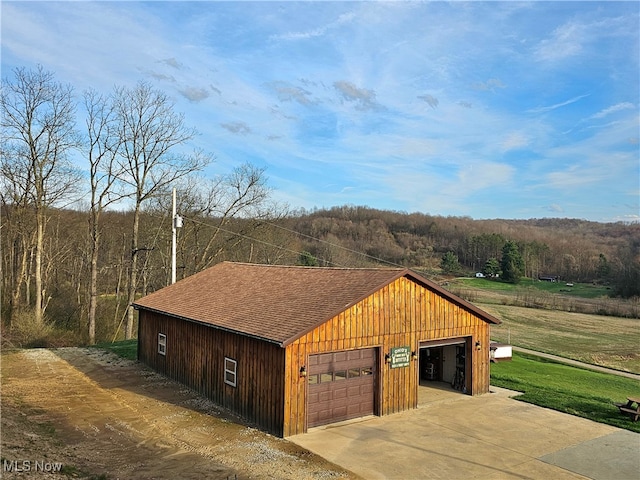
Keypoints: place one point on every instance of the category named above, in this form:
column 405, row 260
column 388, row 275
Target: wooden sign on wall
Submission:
column 400, row 357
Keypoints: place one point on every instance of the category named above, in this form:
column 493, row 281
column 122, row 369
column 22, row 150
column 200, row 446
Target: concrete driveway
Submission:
column 453, row 436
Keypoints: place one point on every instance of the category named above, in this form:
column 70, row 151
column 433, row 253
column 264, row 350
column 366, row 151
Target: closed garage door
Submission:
column 341, row 386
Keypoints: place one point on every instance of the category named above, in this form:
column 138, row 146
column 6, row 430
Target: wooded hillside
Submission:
column 575, row 250
column 568, row 248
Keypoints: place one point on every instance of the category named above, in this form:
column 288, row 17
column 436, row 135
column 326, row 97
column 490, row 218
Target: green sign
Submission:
column 400, row 357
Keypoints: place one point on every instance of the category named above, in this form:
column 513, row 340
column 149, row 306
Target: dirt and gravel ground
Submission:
column 86, row 413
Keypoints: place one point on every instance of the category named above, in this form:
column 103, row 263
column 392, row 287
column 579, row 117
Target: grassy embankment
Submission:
column 572, row 390
column 577, row 290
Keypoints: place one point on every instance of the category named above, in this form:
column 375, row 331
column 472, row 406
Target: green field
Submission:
column 578, row 322
column 612, row 342
column 578, row 290
column 567, row 389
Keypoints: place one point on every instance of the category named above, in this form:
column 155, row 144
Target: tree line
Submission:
column 569, row 249
column 127, row 146
column 86, row 218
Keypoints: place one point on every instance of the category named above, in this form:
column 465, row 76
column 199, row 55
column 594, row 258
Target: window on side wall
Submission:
column 230, row 371
column 162, row 344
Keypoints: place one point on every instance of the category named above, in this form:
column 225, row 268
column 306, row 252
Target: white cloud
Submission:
column 595, row 169
column 430, row 99
column 554, row 208
column 287, row 93
column 557, row 105
column 485, row 175
column 87, row 42
column 172, row 62
column 612, row 109
column 239, row 128
column 565, row 41
column 625, row 218
column 364, row 99
column 577, row 36
column 194, row 94
column 320, row 31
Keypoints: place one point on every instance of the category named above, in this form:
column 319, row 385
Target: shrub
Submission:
column 25, row 331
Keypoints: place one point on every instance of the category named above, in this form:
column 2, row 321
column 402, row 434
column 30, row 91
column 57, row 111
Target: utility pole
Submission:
column 176, row 222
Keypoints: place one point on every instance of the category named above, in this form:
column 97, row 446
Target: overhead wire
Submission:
column 242, row 235
column 300, row 234
column 378, row 259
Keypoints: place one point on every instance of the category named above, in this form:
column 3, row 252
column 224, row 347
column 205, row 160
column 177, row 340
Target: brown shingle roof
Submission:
column 275, row 303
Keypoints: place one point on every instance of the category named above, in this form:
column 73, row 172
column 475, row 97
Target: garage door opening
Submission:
column 443, row 367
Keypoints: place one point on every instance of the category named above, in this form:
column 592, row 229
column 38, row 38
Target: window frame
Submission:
column 228, row 372
column 162, row 344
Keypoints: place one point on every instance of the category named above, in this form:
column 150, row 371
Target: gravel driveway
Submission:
column 87, row 413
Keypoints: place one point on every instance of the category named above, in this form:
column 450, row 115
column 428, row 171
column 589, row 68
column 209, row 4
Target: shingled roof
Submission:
column 276, row 303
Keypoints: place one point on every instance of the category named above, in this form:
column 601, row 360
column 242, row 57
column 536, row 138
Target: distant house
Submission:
column 290, row 348
column 549, row 278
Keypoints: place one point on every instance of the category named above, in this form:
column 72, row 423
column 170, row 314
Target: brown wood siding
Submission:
column 195, row 357
column 403, row 313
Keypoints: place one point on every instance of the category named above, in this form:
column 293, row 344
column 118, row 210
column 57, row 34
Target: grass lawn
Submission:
column 581, row 290
column 125, row 348
column 567, row 389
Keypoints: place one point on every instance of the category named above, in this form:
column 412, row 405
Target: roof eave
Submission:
column 207, row 324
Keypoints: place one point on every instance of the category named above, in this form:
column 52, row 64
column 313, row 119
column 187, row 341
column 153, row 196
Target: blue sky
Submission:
column 487, row 110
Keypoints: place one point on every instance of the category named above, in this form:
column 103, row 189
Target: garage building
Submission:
column 290, row 348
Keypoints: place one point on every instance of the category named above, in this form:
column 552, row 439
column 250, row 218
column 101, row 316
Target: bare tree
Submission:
column 38, row 127
column 149, row 130
column 102, row 145
column 18, row 236
column 209, row 208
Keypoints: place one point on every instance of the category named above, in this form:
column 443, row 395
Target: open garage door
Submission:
column 341, row 386
column 445, row 360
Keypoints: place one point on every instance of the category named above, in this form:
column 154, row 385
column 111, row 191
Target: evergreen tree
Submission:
column 491, row 268
column 512, row 264
column 306, row 259
column 604, row 268
column 450, row 263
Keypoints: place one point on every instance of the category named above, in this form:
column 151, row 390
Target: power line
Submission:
column 304, row 235
column 247, row 237
column 381, row 260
